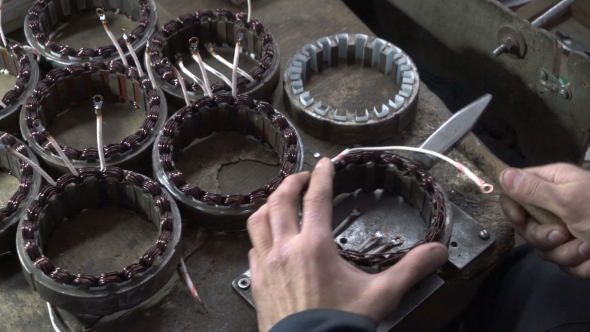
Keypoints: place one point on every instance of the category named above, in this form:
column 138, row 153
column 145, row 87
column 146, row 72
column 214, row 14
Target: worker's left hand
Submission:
column 295, row 270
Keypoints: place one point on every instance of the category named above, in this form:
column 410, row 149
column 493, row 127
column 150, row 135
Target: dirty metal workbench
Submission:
column 215, row 259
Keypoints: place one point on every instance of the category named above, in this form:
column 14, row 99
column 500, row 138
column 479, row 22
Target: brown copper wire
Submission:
column 25, row 181
column 170, row 29
column 24, row 68
column 177, row 178
column 423, row 179
column 35, row 18
column 33, row 105
column 35, row 254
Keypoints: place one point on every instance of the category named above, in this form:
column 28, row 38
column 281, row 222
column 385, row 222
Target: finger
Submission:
column 581, row 271
column 571, row 253
column 259, row 230
column 542, row 237
column 515, row 213
column 253, row 263
column 317, row 203
column 255, row 275
column 558, row 173
column 415, row 266
column 527, row 188
column 282, row 207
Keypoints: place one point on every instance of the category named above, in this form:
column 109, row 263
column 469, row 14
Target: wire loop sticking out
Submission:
column 103, row 19
column 40, row 129
column 485, row 188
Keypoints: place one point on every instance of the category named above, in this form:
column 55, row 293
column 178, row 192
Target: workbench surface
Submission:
column 215, row 259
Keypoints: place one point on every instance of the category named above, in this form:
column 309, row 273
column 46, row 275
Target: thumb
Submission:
column 527, row 188
column 421, row 261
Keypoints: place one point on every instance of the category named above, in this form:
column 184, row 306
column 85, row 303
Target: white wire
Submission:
column 485, row 187
column 133, row 55
column 191, row 75
column 218, row 74
column 63, row 156
column 113, row 39
column 228, row 64
column 99, row 142
column 35, row 166
column 182, row 86
column 234, row 86
column 249, row 10
column 55, row 327
column 148, row 64
column 197, row 58
column 2, row 30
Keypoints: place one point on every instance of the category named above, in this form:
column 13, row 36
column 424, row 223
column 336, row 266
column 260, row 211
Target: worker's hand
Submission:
column 295, row 270
column 564, row 190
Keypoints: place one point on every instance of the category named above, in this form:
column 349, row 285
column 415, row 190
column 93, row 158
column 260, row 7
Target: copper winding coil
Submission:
column 63, row 87
column 133, row 191
column 21, row 64
column 255, row 118
column 399, row 176
column 29, row 184
column 217, row 28
column 45, row 16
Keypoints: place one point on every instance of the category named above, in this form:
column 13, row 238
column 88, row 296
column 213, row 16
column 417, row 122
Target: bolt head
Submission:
column 543, row 75
column 317, row 155
column 484, row 235
column 564, row 94
column 244, row 283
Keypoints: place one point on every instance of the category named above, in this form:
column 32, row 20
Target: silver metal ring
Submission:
column 342, row 126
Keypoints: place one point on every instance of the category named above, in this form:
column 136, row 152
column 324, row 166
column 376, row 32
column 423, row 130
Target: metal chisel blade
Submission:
column 445, row 137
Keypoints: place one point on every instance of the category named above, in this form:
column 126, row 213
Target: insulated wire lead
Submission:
column 39, row 127
column 227, row 63
column 98, row 101
column 28, row 161
column 190, row 284
column 191, row 75
column 2, row 30
column 234, row 86
column 133, row 54
column 485, row 188
column 103, row 19
column 194, row 43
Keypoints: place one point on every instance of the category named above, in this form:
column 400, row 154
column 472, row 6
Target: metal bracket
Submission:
column 549, row 85
column 468, row 240
column 411, row 300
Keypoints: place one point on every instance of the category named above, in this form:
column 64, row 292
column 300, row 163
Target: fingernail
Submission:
column 511, row 178
column 556, row 237
column 439, row 255
column 321, row 162
column 584, row 249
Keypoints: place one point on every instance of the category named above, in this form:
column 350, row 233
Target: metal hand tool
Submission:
column 445, row 137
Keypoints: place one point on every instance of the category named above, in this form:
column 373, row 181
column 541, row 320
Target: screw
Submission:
column 543, row 75
column 564, row 94
column 317, row 155
column 484, row 235
column 244, row 283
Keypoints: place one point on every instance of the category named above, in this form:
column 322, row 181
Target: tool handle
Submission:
column 541, row 215
column 491, row 165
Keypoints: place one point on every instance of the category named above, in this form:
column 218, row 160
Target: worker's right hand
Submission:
column 563, row 189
